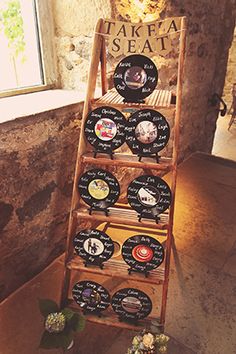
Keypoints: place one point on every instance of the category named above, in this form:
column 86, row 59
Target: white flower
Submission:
column 148, row 340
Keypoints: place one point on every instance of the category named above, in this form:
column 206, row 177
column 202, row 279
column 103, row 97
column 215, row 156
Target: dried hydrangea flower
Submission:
column 163, row 349
column 55, row 322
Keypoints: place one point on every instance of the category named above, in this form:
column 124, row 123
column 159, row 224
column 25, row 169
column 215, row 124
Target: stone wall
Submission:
column 37, row 160
column 210, row 29
column 231, row 73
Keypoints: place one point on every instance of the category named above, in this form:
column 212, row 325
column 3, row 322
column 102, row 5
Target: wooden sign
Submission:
column 126, row 38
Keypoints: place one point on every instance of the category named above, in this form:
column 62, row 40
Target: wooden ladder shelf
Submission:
column 115, row 270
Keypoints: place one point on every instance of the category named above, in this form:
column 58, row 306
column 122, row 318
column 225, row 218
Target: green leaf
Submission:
column 66, row 340
column 47, row 306
column 49, row 340
column 77, row 323
column 56, row 340
column 68, row 313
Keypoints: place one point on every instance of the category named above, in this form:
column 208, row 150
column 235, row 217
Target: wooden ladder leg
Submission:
column 68, row 256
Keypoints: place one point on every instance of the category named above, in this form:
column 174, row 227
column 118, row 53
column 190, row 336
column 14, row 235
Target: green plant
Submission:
column 12, row 25
column 60, row 325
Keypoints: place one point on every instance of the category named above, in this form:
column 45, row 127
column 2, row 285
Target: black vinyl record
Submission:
column 147, row 132
column 149, row 195
column 99, row 188
column 131, row 304
column 142, row 253
column 135, row 77
column 105, row 129
column 94, row 246
column 91, row 296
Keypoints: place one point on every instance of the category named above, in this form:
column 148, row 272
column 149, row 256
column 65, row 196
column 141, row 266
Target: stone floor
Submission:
column 225, row 140
column 201, row 311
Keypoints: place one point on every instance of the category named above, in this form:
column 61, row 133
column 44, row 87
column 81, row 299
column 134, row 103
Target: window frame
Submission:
column 46, row 45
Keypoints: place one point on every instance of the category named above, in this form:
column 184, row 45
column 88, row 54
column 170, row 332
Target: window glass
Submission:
column 20, row 58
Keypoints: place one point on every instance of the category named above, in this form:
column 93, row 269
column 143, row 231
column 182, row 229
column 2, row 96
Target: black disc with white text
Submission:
column 149, row 195
column 142, row 253
column 99, row 188
column 105, row 129
column 94, row 246
column 135, row 77
column 91, row 296
column 147, row 132
column 131, row 304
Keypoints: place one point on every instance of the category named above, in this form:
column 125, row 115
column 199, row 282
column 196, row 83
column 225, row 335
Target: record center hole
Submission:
column 148, row 196
column 131, row 304
column 135, row 77
column 146, row 132
column 105, row 129
column 98, row 189
column 91, row 296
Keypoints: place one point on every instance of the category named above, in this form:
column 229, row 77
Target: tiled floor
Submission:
column 201, row 310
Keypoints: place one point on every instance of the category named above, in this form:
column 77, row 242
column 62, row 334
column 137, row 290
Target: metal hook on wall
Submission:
column 214, row 100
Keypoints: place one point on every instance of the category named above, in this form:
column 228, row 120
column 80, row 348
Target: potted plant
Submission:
column 60, row 325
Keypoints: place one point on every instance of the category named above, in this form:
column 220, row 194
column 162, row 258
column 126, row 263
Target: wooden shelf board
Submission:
column 119, row 159
column 159, row 98
column 118, row 268
column 122, row 216
column 110, row 318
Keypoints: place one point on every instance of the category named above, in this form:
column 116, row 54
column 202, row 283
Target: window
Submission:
column 23, row 47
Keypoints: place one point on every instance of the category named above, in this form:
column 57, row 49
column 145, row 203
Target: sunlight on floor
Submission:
column 225, row 141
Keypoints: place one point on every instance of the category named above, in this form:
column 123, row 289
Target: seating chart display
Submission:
column 135, row 77
column 147, row 132
column 142, row 253
column 91, row 296
column 149, row 195
column 94, row 246
column 131, row 304
column 105, row 129
column 99, row 188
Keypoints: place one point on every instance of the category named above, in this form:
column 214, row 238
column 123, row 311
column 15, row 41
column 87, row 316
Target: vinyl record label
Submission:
column 149, row 195
column 147, row 132
column 94, row 246
column 105, row 129
column 131, row 304
column 142, row 253
column 91, row 296
column 99, row 188
column 135, row 77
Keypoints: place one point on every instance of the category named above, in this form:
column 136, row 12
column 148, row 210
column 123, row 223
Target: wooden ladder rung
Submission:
column 119, row 159
column 122, row 216
column 110, row 318
column 158, row 98
column 118, row 268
